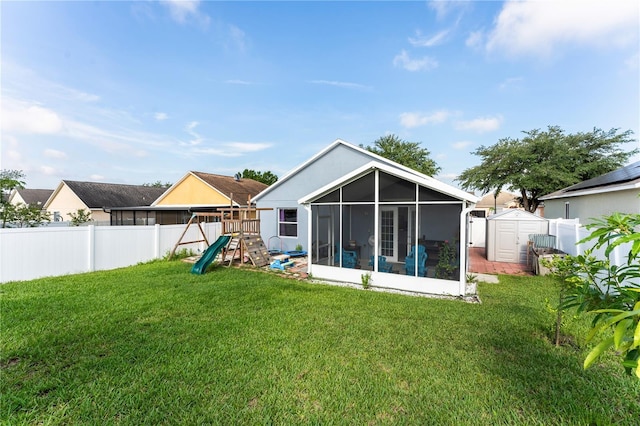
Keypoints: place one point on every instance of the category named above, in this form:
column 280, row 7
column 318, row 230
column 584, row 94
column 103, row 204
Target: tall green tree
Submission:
column 158, row 184
column 27, row 216
column 9, row 180
column 267, row 177
column 544, row 161
column 409, row 154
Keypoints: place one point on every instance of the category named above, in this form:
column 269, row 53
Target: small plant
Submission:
column 471, row 279
column 80, row 216
column 366, row 280
column 299, row 247
column 179, row 254
column 447, row 264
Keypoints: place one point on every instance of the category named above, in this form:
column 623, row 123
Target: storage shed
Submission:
column 508, row 235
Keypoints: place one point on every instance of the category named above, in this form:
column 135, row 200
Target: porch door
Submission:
column 388, row 231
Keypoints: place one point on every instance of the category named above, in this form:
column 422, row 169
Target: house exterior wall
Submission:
column 17, row 199
column 193, row 192
column 324, row 170
column 587, row 207
column 66, row 201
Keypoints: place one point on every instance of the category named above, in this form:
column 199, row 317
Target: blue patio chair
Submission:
column 349, row 258
column 410, row 262
column 383, row 265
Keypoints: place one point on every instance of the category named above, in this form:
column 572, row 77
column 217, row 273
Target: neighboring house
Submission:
column 490, row 204
column 617, row 191
column 30, row 197
column 194, row 192
column 347, row 206
column 97, row 197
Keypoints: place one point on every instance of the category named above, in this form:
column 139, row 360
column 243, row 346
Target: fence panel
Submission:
column 52, row 251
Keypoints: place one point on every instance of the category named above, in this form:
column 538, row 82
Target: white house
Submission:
column 617, row 191
column 347, row 206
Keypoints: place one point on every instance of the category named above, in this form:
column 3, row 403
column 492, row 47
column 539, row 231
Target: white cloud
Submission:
column 233, row 149
column 423, row 41
column 539, row 27
column 242, row 82
column 196, row 138
column 22, row 117
column 54, row 153
column 462, row 145
column 96, row 177
column 475, row 39
column 238, row 37
column 160, row 116
column 511, row 83
column 247, row 146
column 417, row 119
column 481, row 124
column 183, row 10
column 422, row 64
column 343, row 84
column 50, row 171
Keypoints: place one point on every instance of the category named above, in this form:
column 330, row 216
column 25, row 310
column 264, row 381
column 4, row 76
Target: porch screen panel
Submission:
column 325, row 228
column 361, row 190
column 394, row 189
column 438, row 230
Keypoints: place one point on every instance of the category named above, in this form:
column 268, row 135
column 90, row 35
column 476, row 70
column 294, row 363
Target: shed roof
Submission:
column 515, row 214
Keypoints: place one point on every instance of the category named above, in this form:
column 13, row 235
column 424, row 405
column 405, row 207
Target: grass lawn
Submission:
column 154, row 344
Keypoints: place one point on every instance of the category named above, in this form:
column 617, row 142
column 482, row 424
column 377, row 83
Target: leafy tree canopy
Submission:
column 408, row 154
column 158, row 184
column 267, row 177
column 544, row 161
column 9, row 180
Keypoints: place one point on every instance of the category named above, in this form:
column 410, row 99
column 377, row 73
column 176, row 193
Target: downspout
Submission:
column 464, row 248
column 307, row 207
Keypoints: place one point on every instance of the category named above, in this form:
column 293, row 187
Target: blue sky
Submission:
column 136, row 92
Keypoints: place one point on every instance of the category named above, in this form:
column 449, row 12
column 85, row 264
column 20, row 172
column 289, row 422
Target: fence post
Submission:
column 156, row 241
column 576, row 228
column 91, row 229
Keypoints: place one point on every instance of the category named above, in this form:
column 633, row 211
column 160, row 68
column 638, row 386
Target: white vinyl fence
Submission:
column 569, row 232
column 28, row 253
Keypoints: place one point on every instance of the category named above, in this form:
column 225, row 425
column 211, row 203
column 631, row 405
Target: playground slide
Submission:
column 210, row 254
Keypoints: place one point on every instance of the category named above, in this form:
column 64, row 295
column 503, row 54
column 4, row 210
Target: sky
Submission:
column 146, row 91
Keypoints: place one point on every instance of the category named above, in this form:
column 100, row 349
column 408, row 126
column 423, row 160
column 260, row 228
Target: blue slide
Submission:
column 210, row 254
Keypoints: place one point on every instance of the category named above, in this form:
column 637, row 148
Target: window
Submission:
column 566, row 210
column 288, row 222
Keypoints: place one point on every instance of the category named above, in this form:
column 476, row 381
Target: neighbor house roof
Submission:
column 33, row 196
column 505, row 200
column 427, row 180
column 240, row 188
column 624, row 178
column 96, row 195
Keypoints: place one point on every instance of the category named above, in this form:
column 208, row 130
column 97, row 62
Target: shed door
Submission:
column 506, row 241
column 512, row 238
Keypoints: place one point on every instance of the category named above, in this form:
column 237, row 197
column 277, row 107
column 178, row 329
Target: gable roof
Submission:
column 241, row 189
column 96, row 195
column 34, row 196
column 505, row 199
column 374, row 158
column 627, row 177
column 418, row 178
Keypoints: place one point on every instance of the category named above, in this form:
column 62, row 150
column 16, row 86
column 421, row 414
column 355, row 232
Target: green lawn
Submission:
column 154, row 344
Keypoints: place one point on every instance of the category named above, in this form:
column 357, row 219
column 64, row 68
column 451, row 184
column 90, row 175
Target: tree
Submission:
column 267, row 177
column 79, row 217
column 608, row 291
column 26, row 216
column 408, row 154
column 9, row 180
column 158, row 184
column 546, row 161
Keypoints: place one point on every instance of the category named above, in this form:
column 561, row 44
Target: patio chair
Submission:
column 410, row 262
column 383, row 266
column 349, row 258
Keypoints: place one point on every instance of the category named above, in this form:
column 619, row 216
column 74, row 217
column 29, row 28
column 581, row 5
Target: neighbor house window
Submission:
column 566, row 211
column 288, row 222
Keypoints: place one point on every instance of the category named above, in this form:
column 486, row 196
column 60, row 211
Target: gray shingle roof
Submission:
column 35, row 196
column 98, row 195
column 241, row 189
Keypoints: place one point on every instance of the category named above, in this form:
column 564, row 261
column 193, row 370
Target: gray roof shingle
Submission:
column 99, row 195
column 228, row 185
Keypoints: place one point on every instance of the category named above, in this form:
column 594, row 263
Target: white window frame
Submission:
column 282, row 222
